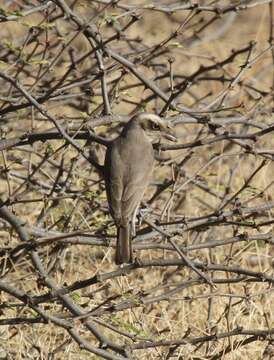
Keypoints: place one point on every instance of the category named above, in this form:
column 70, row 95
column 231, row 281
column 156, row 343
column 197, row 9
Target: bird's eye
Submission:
column 155, row 126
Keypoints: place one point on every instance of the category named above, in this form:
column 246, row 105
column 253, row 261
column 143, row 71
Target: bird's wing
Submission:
column 132, row 200
column 115, row 196
column 114, row 182
column 135, row 188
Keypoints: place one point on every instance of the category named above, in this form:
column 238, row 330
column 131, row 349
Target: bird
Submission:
column 128, row 169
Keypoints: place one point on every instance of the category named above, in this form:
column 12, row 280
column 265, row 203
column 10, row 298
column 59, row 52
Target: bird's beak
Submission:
column 169, row 133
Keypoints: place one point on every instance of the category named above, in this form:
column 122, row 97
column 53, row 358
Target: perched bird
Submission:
column 128, row 168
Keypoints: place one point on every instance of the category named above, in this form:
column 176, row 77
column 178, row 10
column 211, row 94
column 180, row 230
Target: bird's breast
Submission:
column 133, row 154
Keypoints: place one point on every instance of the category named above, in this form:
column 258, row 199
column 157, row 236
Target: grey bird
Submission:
column 128, row 167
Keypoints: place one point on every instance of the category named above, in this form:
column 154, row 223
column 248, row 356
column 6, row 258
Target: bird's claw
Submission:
column 141, row 215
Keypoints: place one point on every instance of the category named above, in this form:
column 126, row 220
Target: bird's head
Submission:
column 154, row 125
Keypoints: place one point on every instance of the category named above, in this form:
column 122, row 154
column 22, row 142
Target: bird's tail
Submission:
column 123, row 247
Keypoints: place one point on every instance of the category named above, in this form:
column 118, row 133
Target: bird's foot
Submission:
column 141, row 215
column 137, row 262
